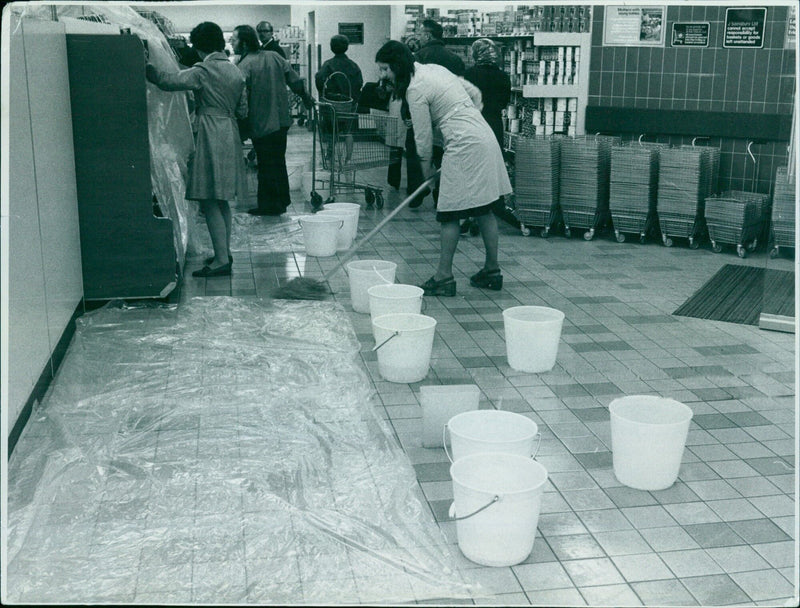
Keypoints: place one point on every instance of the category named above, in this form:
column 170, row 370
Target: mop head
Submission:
column 301, row 288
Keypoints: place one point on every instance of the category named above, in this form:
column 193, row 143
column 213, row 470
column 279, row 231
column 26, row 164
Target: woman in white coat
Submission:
column 473, row 173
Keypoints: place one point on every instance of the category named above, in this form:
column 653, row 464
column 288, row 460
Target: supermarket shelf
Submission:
column 563, row 39
column 551, row 90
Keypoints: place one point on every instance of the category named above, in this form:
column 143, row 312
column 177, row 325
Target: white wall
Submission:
column 227, row 16
column 377, row 30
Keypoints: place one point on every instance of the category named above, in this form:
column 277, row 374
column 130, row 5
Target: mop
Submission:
column 304, row 288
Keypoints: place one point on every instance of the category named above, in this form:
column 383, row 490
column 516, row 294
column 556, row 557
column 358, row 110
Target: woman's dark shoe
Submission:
column 487, row 279
column 465, row 226
column 206, row 271
column 209, row 261
column 445, row 287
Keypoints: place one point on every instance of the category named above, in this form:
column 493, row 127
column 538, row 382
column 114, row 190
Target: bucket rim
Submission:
column 418, row 291
column 501, row 413
column 558, row 314
column 318, row 219
column 522, row 461
column 430, row 322
column 342, row 206
column 619, row 402
column 368, row 265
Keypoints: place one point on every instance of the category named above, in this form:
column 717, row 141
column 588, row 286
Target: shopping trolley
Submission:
column 345, row 143
column 734, row 218
column 537, row 161
column 783, row 211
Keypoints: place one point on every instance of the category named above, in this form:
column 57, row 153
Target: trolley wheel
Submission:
column 667, row 242
column 369, row 196
column 693, row 244
column 379, row 200
column 716, row 248
column 588, row 235
column 545, row 232
column 752, row 245
column 567, row 232
column 524, row 230
column 620, row 237
column 773, row 253
column 301, row 121
column 641, row 238
column 316, row 201
column 741, row 251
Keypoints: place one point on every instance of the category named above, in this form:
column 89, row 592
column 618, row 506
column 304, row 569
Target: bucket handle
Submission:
column 452, row 511
column 450, row 458
column 394, row 333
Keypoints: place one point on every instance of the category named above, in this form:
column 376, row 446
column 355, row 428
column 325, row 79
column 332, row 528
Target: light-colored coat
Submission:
column 473, row 170
column 217, row 169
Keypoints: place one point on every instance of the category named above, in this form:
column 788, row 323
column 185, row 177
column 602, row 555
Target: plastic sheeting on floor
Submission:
column 226, row 450
column 248, row 233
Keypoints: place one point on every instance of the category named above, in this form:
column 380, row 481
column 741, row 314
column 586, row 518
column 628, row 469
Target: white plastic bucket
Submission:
column 353, row 208
column 404, row 343
column 295, row 172
column 344, row 238
column 532, row 337
column 648, row 435
column 491, row 431
column 502, row 533
column 440, row 403
column 394, row 297
column 319, row 234
column 363, row 275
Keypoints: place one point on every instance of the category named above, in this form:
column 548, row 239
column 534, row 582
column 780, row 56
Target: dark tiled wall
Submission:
column 707, row 79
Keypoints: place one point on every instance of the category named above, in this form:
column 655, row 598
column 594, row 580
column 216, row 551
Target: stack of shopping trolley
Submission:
column 783, row 211
column 583, row 184
column 537, row 162
column 734, row 218
column 633, row 186
column 684, row 182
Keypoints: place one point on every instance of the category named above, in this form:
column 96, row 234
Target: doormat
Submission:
column 739, row 294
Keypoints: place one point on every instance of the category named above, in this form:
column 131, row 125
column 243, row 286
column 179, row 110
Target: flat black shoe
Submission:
column 445, row 287
column 487, row 279
column 209, row 261
column 206, row 271
column 465, row 227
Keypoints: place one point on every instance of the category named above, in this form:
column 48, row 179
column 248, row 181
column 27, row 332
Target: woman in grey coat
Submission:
column 216, row 172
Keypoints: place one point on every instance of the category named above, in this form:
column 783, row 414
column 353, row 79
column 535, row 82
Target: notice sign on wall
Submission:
column 690, row 34
column 634, row 25
column 791, row 28
column 744, row 28
column 353, row 31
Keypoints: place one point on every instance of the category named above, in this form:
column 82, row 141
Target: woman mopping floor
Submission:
column 473, row 174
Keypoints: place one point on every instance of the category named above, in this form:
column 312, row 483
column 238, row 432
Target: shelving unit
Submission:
column 293, row 42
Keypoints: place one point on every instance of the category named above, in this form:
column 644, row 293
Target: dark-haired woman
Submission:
column 473, row 175
column 216, row 172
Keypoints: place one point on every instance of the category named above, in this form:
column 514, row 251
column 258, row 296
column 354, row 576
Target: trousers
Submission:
column 273, row 180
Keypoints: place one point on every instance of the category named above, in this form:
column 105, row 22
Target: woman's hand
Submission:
column 428, row 168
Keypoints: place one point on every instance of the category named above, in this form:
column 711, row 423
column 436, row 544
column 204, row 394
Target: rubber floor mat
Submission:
column 739, row 294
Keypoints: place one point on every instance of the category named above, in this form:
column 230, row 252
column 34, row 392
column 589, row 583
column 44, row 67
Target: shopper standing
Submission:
column 340, row 62
column 495, row 87
column 266, row 75
column 216, row 172
column 473, row 174
column 268, row 43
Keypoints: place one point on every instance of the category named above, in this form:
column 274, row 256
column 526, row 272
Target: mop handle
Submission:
column 352, row 251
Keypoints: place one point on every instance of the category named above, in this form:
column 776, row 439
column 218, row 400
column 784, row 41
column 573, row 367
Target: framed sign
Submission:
column 353, row 31
column 690, row 34
column 634, row 25
column 791, row 28
column 744, row 28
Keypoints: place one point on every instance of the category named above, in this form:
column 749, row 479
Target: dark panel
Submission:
column 759, row 127
column 127, row 252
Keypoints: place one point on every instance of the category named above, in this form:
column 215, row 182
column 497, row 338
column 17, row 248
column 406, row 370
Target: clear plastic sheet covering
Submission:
column 169, row 127
column 226, row 450
column 249, row 233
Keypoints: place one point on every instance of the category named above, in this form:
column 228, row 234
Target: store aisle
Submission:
column 723, row 534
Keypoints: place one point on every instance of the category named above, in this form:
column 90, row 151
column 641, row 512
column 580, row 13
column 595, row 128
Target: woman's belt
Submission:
column 213, row 112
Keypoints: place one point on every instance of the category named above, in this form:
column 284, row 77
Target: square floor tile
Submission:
column 547, row 575
column 595, row 460
column 774, row 506
column 575, row 546
column 718, row 589
column 496, row 580
column 763, row 584
column 553, row 524
column 712, row 489
column 604, row 520
column 642, row 567
column 779, row 555
column 624, row 496
column 713, row 535
column 754, row 486
column 584, row 500
column 556, row 597
column 610, row 595
column 664, row 593
column 434, row 471
column 593, row 572
column 738, row 559
column 648, row 517
column 691, row 562
column 677, row 492
column 755, row 531
column 622, row 542
column 692, row 513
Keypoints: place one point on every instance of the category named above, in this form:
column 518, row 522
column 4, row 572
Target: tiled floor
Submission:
column 724, row 534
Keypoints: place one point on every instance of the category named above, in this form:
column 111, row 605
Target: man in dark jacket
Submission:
column 434, row 51
column 268, row 43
